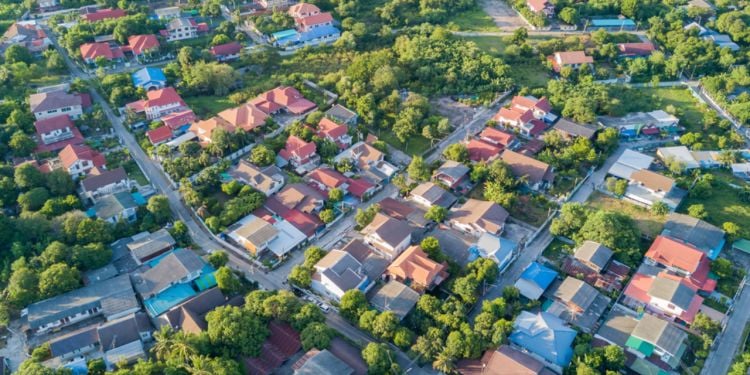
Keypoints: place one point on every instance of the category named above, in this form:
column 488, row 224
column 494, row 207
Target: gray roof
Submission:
column 696, row 232
column 113, row 296
column 373, row 264
column 628, row 162
column 618, row 326
column 323, row 363
column 173, row 267
column 46, row 101
column 100, row 274
column 434, row 194
column 113, row 204
column 107, row 177
column 390, row 230
column 453, row 169
column 177, row 23
column 146, row 244
column 575, row 129
column 395, row 297
column 191, row 313
column 594, row 252
column 73, row 341
column 573, row 292
column 342, row 269
column 660, row 333
column 123, row 331
column 673, row 291
column 341, row 113
column 576, row 292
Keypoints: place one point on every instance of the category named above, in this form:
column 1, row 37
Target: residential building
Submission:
column 179, row 121
column 50, row 104
column 316, row 362
column 741, row 171
column 407, row 211
column 504, row 360
column 628, row 163
column 190, row 316
column 369, row 161
column 325, row 179
column 204, row 129
column 498, row 137
column 56, row 133
column 79, row 160
column 158, row 103
column 182, row 28
column 143, row 46
column 300, row 197
column 267, row 180
column 539, row 175
column 257, row 235
column 301, row 10
column 95, row 15
column 544, row 336
column 429, row 194
column 146, row 246
column 664, row 294
column 227, row 51
column 47, row 5
column 396, row 298
column 361, row 188
column 513, row 117
column 342, row 115
column 543, row 7
column 387, row 235
column 284, row 98
column 451, row 174
column 149, row 79
column 282, row 343
column 168, row 13
column 571, row 130
column 300, row 154
column 292, row 39
column 336, row 133
column 338, row 272
column 115, row 207
column 180, row 266
column 373, row 264
column 246, row 117
column 112, row 299
column 415, row 269
column 647, row 187
column 681, row 259
column 681, row 155
column 643, row 123
column 572, row 59
column 275, row 4
column 657, row 337
column 498, row 249
column 701, row 235
column 540, row 108
column 104, row 183
column 91, row 52
column 481, row 151
column 477, row 217
column 27, row 34
column 159, row 135
column 534, row 280
column 594, row 255
column 577, row 303
column 640, row 49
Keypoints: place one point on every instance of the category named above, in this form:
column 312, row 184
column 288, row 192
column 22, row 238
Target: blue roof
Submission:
column 168, row 299
column 545, row 335
column 612, row 22
column 318, row 32
column 145, row 75
column 539, row 275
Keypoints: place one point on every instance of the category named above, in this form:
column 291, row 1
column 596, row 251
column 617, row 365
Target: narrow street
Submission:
column 720, row 359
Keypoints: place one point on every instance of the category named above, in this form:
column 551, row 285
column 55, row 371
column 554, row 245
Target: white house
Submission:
column 337, row 273
column 387, row 235
column 105, row 183
column 50, row 104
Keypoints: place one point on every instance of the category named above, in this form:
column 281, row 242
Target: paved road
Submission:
column 720, row 360
column 554, row 33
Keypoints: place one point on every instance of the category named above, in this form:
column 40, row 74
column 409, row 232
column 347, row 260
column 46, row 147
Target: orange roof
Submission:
column 526, row 102
column 315, row 19
column 165, row 96
column 414, row 264
column 142, row 43
column 90, row 51
column 159, row 134
column 328, row 177
column 513, row 114
column 482, row 151
column 301, row 9
column 497, row 136
column 537, row 5
column 246, row 116
column 298, row 147
column 672, row 253
column 330, row 128
column 573, row 57
column 203, row 129
column 73, row 153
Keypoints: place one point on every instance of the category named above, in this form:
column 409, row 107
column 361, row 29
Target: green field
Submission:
column 416, row 145
column 724, row 204
column 207, row 106
column 649, row 224
column 530, row 73
column 472, row 20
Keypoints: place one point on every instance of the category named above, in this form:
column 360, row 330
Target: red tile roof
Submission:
column 304, row 222
column 509, row 114
column 281, row 344
column 226, row 49
column 177, row 119
column 538, row 127
column 159, row 134
column 297, row 147
column 316, row 19
column 283, row 97
column 53, row 123
column 525, row 102
column 497, row 136
column 482, row 151
column 246, row 116
column 102, row 14
column 573, row 57
column 327, row 127
column 72, row 153
column 328, row 177
column 90, row 51
column 301, row 9
column 165, row 96
column 358, row 187
column 636, row 49
column 672, row 253
column 142, row 43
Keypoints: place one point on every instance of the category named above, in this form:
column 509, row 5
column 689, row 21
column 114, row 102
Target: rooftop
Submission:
column 395, row 297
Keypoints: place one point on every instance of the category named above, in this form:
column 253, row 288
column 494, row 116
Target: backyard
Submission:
column 648, row 223
column 723, row 205
column 472, row 20
column 416, row 145
column 530, row 72
column 557, row 251
column 207, row 106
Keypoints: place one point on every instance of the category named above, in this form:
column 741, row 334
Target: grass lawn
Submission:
column 722, row 206
column 530, row 73
column 135, row 172
column 417, row 145
column 649, row 224
column 47, row 80
column 531, row 209
column 472, row 20
column 556, row 251
column 207, row 106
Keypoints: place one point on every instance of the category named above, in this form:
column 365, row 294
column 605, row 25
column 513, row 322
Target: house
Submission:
column 227, row 51
column 617, row 326
column 640, row 49
column 56, row 132
column 149, row 79
column 361, row 188
column 544, row 336
column 337, row 272
column 79, row 160
column 577, row 303
column 722, row 41
column 540, row 108
column 102, row 14
column 415, row 269
column 525, row 115
column 681, row 259
column 664, row 294
column 258, row 235
column 678, row 154
column 342, row 115
column 301, row 10
column 534, row 280
column 396, row 298
column 326, row 179
column 369, row 161
column 299, row 197
column 105, row 183
column 428, row 194
column 387, row 235
column 373, row 264
column 741, row 171
column 543, row 7
column 180, row 266
column 336, row 133
column 512, row 117
column 477, row 217
column 190, row 316
column 539, row 175
column 268, row 180
column 646, row 123
column 308, row 16
column 451, row 174
column 300, row 154
column 146, row 246
column 27, row 34
column 112, row 299
column 499, row 249
column 572, row 59
column 316, row 362
column 405, row 211
column 54, row 103
column 498, row 137
column 182, row 28
column 168, row 13
column 90, row 52
column 282, row 343
column 648, row 187
column 480, row 150
column 159, row 135
column 571, row 130
column 204, row 129
column 628, row 163
column 292, row 39
column 115, row 207
column 701, row 235
column 594, row 255
column 246, row 117
column 179, row 121
column 285, row 98
column 158, row 103
column 657, row 337
column 503, row 361
column 47, row 5
column 143, row 46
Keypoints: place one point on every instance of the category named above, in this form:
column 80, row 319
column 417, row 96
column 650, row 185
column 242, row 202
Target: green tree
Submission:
column 96, row 366
column 220, row 39
column 660, row 208
column 436, row 213
column 91, row 256
column 227, row 281
column 57, row 279
column 614, row 357
column 335, row 195
column 27, row 176
column 33, row 199
column 18, row 53
column 236, row 331
column 309, row 313
column 418, row 170
column 353, row 304
column 218, row 258
column 365, row 217
column 457, row 152
column 316, row 335
column 617, row 186
column 313, row 254
column 403, row 338
column 59, row 182
column 22, row 287
column 385, row 324
column 571, row 219
column 614, row 230
column 300, row 276
column 262, row 156
column 21, row 144
column 327, row 216
column 731, row 229
column 158, row 206
column 698, row 211
column 431, row 246
column 379, row 359
column 568, row 15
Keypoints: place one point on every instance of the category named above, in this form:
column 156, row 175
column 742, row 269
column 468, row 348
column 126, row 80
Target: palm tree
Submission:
column 200, row 365
column 444, row 363
column 162, row 348
column 181, row 347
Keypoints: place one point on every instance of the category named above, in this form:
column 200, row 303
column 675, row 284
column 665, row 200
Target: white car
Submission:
column 323, row 307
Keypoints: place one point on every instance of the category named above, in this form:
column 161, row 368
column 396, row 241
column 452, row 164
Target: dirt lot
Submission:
column 456, row 244
column 457, row 113
column 505, row 17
